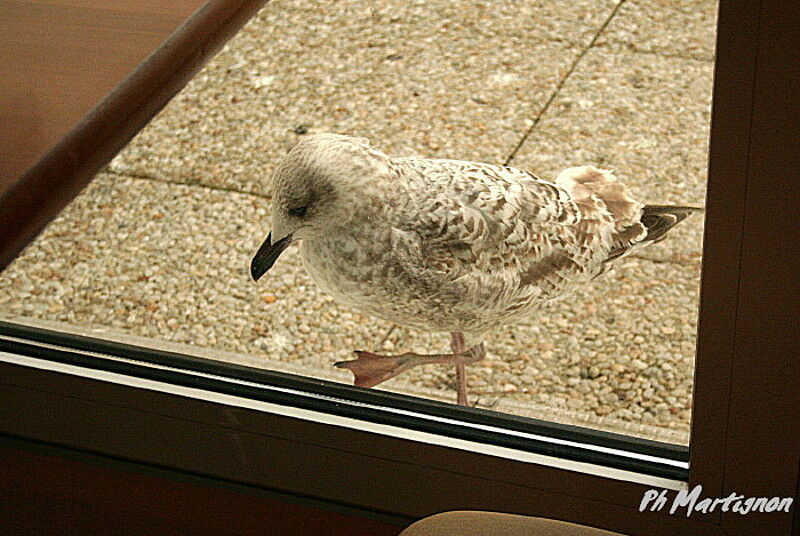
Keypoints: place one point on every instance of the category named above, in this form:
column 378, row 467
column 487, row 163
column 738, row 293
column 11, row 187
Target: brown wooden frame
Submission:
column 32, row 200
column 745, row 425
column 50, row 490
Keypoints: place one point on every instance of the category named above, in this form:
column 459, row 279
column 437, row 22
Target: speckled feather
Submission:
column 446, row 245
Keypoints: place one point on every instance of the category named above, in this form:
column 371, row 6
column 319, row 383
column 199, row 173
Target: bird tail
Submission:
column 658, row 219
column 597, row 191
column 655, row 221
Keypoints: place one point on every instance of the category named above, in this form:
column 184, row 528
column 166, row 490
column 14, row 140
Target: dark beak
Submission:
column 267, row 254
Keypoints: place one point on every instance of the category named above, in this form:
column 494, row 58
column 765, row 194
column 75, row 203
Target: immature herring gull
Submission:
column 446, row 245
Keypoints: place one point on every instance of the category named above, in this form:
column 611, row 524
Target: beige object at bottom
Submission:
column 496, row 524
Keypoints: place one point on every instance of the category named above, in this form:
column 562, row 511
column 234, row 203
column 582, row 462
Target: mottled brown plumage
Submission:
column 447, row 245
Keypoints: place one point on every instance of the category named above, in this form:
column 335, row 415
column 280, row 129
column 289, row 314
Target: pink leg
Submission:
column 458, row 346
column 370, row 369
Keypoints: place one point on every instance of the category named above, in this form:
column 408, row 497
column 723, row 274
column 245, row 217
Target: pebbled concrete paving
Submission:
column 681, row 28
column 444, row 79
column 158, row 245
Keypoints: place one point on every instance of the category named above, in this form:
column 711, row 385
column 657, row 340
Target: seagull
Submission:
column 447, row 245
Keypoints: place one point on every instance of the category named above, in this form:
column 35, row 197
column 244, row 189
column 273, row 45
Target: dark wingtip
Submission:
column 675, row 210
column 661, row 218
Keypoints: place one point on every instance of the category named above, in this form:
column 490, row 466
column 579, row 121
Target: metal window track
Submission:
column 404, row 413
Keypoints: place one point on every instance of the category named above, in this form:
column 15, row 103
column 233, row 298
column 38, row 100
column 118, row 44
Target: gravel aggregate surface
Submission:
column 684, row 28
column 443, row 79
column 169, row 262
column 158, row 245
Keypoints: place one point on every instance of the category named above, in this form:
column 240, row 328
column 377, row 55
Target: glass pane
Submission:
column 159, row 246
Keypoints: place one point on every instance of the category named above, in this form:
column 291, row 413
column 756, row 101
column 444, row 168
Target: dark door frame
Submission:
column 745, row 421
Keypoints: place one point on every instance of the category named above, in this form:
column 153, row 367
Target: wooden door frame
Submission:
column 744, row 428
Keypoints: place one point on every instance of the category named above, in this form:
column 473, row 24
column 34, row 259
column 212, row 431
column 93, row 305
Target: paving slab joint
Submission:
column 563, row 81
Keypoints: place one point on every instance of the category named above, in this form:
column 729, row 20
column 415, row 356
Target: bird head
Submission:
column 316, row 189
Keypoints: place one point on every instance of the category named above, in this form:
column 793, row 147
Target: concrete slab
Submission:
column 684, row 28
column 431, row 78
column 152, row 258
column 168, row 262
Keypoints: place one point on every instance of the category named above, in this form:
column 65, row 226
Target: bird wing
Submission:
column 606, row 206
column 512, row 237
column 486, row 230
column 480, row 205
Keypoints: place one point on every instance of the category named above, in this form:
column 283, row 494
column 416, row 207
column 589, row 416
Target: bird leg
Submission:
column 370, row 369
column 458, row 346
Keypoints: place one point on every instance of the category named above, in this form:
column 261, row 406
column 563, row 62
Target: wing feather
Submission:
column 497, row 228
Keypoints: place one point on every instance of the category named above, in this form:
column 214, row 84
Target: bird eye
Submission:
column 298, row 212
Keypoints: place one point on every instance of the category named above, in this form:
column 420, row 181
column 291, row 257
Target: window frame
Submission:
column 744, row 407
column 578, row 448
